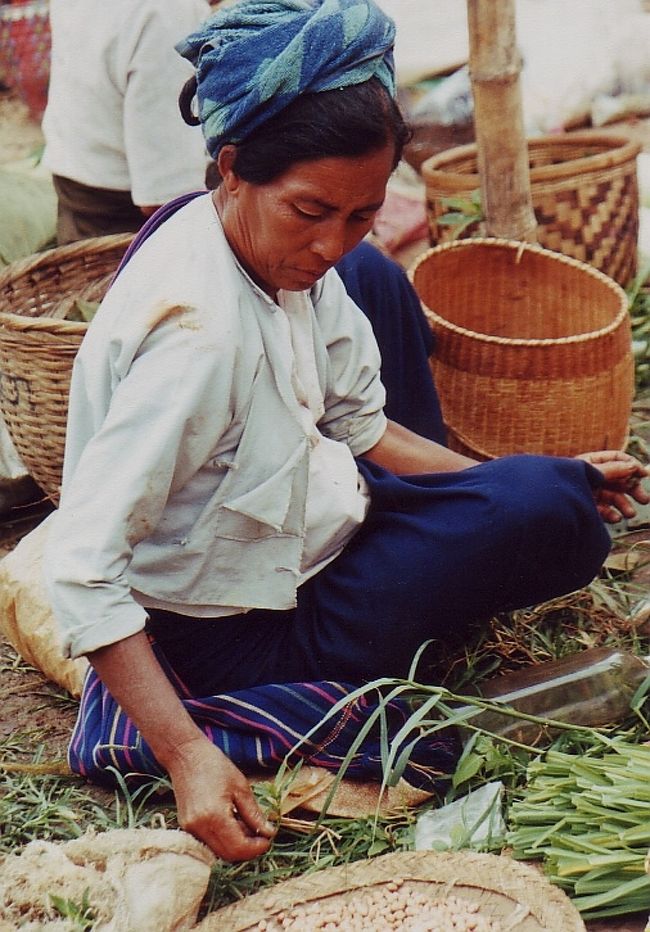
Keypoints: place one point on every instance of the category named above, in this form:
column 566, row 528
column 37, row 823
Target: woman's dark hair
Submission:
column 344, row 122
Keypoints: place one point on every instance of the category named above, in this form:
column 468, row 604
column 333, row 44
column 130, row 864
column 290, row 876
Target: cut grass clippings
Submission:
column 44, row 804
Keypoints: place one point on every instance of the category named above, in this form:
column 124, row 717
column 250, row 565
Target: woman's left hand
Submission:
column 623, row 475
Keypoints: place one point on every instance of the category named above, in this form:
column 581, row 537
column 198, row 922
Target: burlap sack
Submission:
column 133, row 880
column 26, row 618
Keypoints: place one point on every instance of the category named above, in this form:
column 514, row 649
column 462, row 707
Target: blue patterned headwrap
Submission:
column 252, row 59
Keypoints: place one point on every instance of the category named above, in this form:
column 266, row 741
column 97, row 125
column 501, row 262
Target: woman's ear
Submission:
column 225, row 164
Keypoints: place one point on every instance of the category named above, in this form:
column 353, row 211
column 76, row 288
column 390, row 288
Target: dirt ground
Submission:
column 35, row 716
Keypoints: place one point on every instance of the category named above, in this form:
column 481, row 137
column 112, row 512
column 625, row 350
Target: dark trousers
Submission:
column 437, row 554
column 85, row 211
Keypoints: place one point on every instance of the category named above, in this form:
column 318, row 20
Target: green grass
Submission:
column 639, row 296
column 304, row 846
column 51, row 807
column 80, row 915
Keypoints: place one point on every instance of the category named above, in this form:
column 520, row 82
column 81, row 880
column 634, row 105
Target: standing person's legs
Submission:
column 84, row 211
column 436, row 555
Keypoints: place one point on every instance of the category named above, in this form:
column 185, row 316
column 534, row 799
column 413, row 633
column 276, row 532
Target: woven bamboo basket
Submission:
column 509, row 893
column 37, row 346
column 584, row 191
column 533, row 349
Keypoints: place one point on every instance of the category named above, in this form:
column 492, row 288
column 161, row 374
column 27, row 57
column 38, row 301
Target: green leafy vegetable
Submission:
column 588, row 818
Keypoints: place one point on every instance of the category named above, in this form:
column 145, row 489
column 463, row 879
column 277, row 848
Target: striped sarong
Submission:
column 259, row 728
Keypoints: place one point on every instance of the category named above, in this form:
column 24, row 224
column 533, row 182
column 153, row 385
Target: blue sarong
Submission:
column 253, row 59
column 257, row 729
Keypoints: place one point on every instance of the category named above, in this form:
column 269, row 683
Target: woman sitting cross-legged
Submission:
column 237, row 510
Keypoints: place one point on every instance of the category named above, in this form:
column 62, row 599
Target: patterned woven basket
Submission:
column 37, row 348
column 584, row 191
column 507, row 893
column 533, row 349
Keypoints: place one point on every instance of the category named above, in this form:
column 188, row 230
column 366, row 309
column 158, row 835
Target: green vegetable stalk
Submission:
column 588, row 818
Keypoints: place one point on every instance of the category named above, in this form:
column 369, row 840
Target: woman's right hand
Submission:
column 214, row 800
column 622, row 483
column 216, row 804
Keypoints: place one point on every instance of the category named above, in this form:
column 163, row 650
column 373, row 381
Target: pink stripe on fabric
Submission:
column 260, row 725
column 86, row 702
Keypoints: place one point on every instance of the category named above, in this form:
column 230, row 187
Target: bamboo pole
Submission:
column 495, row 65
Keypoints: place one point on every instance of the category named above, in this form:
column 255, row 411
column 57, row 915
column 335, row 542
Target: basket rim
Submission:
column 92, row 244
column 21, row 267
column 489, row 872
column 521, row 248
column 619, row 149
column 18, row 323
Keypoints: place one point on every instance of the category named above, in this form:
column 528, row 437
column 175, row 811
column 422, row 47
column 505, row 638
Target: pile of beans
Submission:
column 383, row 908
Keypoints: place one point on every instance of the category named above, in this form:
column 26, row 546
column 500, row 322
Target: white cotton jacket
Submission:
column 112, row 118
column 187, row 460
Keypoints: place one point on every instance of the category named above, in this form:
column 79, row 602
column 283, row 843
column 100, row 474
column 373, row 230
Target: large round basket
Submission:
column 510, row 894
column 584, row 191
column 533, row 349
column 37, row 347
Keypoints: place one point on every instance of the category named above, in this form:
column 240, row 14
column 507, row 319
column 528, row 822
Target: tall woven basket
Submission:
column 38, row 346
column 533, row 349
column 584, row 191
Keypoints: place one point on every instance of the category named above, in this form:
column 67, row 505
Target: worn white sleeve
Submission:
column 355, row 398
column 165, row 156
column 151, row 440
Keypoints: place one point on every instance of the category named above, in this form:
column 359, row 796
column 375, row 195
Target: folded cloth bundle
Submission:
column 254, row 58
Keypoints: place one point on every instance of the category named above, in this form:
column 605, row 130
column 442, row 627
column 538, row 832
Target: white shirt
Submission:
column 337, row 495
column 112, row 118
column 191, row 433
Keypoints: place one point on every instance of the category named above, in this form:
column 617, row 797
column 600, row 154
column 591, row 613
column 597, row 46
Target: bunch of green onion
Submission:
column 588, row 818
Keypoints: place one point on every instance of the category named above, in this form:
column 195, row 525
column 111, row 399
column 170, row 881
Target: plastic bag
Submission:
column 475, row 821
column 28, row 217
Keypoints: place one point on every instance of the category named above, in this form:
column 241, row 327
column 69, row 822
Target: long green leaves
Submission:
column 588, row 818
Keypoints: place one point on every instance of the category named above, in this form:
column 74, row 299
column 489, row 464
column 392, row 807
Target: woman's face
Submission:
column 289, row 232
